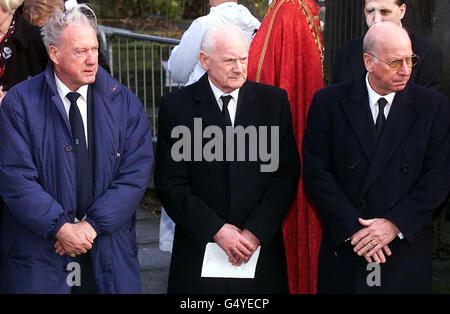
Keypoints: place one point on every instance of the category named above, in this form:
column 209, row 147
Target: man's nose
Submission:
column 405, row 69
column 377, row 18
column 238, row 66
column 92, row 57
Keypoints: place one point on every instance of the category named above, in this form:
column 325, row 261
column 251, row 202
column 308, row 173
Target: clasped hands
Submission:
column 372, row 240
column 74, row 238
column 239, row 245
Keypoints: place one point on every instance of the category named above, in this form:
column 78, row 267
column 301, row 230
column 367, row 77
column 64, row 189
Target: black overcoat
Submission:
column 201, row 196
column 402, row 177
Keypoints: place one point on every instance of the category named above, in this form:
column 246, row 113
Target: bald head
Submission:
column 385, row 36
column 221, row 35
column 388, row 57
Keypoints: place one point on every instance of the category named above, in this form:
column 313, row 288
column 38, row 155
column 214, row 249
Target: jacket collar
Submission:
column 103, row 89
column 105, row 85
column 357, row 110
column 206, row 107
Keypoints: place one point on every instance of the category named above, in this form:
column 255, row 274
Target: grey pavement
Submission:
column 154, row 263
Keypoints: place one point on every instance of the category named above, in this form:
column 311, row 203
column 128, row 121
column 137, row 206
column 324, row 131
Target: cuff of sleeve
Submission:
column 94, row 225
column 57, row 224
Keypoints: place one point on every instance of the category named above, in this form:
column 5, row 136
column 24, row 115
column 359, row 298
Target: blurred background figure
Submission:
column 37, row 11
column 69, row 4
column 349, row 62
column 183, row 63
column 22, row 52
column 287, row 52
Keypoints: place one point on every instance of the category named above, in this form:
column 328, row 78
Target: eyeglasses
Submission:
column 396, row 64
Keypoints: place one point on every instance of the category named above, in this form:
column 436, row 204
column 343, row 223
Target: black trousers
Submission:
column 87, row 276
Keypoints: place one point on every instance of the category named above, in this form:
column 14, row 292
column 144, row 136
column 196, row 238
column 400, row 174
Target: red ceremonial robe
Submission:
column 287, row 52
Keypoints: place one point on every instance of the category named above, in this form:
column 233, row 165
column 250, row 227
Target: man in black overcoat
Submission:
column 238, row 200
column 376, row 165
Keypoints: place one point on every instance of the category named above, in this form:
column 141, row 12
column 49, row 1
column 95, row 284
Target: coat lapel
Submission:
column 50, row 78
column 401, row 116
column 205, row 104
column 358, row 113
column 106, row 121
column 248, row 113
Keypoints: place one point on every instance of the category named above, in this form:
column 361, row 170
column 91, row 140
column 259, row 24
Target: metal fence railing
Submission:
column 140, row 62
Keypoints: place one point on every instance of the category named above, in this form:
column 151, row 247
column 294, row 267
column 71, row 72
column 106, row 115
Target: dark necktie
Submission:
column 381, row 118
column 226, row 114
column 83, row 175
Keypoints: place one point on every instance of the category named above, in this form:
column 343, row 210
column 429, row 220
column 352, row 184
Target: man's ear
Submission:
column 402, row 11
column 53, row 53
column 368, row 62
column 203, row 58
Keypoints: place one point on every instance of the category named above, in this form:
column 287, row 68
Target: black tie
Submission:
column 381, row 118
column 226, row 114
column 83, row 175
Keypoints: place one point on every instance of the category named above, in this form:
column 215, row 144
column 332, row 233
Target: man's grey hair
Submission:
column 80, row 14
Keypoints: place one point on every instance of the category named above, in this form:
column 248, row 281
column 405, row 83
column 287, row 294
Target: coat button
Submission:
column 404, row 168
column 363, row 204
column 392, row 205
column 70, row 212
column 68, row 148
column 352, row 165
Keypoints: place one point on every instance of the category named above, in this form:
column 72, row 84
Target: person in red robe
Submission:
column 287, row 52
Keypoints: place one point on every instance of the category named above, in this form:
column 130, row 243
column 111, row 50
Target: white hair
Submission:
column 211, row 34
column 80, row 14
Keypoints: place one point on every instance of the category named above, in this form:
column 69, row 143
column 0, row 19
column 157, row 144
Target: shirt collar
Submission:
column 374, row 96
column 63, row 90
column 218, row 93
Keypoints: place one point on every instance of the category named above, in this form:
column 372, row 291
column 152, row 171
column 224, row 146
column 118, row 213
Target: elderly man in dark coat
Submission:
column 236, row 202
column 376, row 164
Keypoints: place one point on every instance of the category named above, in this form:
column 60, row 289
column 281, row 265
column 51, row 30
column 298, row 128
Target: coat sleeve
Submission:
column 266, row 219
column 172, row 182
column 433, row 184
column 20, row 188
column 121, row 199
column 335, row 209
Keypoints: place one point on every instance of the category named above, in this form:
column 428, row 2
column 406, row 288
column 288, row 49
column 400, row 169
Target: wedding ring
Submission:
column 371, row 244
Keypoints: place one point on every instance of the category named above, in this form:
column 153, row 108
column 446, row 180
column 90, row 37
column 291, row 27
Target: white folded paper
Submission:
column 216, row 264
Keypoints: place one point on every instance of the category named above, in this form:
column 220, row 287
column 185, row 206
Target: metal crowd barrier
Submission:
column 140, row 62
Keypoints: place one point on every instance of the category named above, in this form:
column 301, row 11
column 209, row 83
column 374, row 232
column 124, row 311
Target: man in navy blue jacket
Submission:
column 76, row 154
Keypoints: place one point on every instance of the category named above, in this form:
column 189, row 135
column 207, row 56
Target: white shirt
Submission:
column 63, row 90
column 183, row 63
column 373, row 101
column 232, row 105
